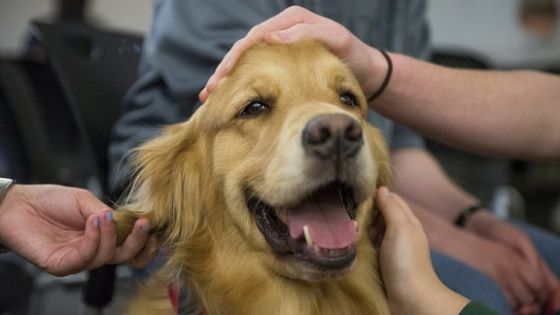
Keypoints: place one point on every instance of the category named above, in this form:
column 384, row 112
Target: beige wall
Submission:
column 130, row 15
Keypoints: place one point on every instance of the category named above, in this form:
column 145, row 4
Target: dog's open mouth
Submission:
column 320, row 229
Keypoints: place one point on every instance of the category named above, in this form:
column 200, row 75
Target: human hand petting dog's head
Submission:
column 296, row 24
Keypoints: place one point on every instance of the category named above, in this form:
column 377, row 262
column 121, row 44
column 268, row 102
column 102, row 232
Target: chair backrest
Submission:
column 95, row 69
column 52, row 145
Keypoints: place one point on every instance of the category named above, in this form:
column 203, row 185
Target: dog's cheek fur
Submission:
column 169, row 190
column 238, row 158
column 380, row 152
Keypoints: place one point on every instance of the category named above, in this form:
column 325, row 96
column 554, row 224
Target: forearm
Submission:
column 420, row 179
column 476, row 110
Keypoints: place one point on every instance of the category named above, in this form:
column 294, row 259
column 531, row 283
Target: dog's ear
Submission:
column 124, row 222
column 168, row 185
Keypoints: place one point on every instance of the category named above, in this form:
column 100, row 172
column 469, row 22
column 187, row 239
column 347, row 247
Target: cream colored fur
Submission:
column 191, row 184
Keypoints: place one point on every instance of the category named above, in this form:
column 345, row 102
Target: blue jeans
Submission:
column 477, row 286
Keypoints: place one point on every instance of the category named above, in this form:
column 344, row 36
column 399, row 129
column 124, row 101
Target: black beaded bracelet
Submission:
column 467, row 213
column 387, row 77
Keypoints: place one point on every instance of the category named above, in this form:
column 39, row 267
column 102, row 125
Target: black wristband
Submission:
column 467, row 213
column 387, row 77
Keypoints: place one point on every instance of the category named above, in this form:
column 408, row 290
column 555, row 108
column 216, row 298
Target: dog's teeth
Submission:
column 316, row 248
column 307, row 235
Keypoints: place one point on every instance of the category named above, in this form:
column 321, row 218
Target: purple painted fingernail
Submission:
column 146, row 228
column 96, row 222
column 109, row 216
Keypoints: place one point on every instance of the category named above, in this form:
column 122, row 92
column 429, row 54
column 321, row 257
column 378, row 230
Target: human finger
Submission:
column 290, row 16
column 535, row 274
column 516, row 270
column 388, row 208
column 108, row 240
column 522, row 293
column 394, row 209
column 134, row 243
column 553, row 302
column 534, row 278
column 553, row 286
column 87, row 247
column 88, row 203
column 85, row 251
column 332, row 35
column 529, row 309
column 523, row 244
column 147, row 254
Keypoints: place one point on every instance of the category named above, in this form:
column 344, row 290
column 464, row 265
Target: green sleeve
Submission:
column 477, row 308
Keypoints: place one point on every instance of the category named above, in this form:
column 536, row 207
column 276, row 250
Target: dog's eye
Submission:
column 253, row 109
column 348, row 99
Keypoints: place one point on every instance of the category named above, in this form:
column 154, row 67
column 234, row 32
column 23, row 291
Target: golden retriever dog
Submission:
column 264, row 197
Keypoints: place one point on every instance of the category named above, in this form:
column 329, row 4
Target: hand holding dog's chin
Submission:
column 411, row 283
column 65, row 230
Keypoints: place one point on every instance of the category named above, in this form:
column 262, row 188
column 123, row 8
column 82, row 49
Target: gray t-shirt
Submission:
column 188, row 39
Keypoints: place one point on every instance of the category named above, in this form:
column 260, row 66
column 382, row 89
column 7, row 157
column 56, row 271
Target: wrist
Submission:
column 479, row 220
column 465, row 215
column 425, row 300
column 378, row 75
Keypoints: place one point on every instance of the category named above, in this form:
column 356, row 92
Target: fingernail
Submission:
column 96, row 221
column 202, row 95
column 109, row 216
column 146, row 228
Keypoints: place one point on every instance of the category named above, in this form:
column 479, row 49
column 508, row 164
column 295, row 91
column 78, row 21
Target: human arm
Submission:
column 510, row 257
column 502, row 113
column 65, row 230
column 511, row 113
column 411, row 283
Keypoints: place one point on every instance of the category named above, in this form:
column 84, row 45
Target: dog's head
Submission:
column 280, row 159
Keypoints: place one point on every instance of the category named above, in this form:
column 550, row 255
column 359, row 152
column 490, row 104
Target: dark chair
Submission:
column 95, row 69
column 43, row 127
column 65, row 110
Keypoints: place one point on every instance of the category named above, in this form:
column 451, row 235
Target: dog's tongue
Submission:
column 328, row 223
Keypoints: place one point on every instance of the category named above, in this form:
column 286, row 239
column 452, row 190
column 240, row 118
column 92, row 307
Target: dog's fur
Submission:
column 192, row 183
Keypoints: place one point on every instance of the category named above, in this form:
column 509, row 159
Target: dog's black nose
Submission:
column 332, row 136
